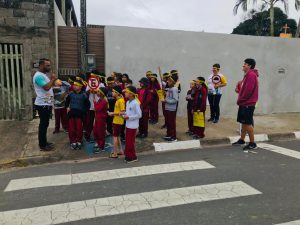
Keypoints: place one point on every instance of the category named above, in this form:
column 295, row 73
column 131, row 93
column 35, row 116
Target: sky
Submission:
column 214, row 16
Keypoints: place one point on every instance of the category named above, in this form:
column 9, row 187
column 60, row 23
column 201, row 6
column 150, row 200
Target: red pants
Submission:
column 75, row 130
column 171, row 124
column 154, row 110
column 143, row 123
column 129, row 151
column 164, row 111
column 61, row 117
column 99, row 132
column 88, row 123
column 190, row 119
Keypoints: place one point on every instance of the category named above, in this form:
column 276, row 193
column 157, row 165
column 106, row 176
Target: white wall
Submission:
column 136, row 50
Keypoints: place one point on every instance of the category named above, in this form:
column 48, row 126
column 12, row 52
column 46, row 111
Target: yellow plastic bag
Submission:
column 198, row 119
column 160, row 94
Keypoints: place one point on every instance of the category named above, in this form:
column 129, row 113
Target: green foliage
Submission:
column 259, row 24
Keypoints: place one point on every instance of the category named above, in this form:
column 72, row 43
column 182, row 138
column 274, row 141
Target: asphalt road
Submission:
column 267, row 189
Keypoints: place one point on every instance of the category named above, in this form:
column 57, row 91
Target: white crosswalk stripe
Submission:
column 79, row 178
column 280, row 150
column 95, row 208
column 296, row 222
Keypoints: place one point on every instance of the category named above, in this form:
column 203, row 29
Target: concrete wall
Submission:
column 30, row 23
column 136, row 50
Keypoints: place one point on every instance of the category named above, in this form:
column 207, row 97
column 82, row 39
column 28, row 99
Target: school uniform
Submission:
column 199, row 103
column 165, row 88
column 101, row 107
column 79, row 104
column 133, row 111
column 171, row 107
column 154, row 87
column 145, row 100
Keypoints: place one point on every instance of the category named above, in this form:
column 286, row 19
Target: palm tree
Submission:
column 271, row 3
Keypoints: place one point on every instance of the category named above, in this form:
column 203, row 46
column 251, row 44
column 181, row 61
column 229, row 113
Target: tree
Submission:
column 258, row 23
column 270, row 3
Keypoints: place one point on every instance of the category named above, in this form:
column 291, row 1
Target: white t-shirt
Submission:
column 93, row 97
column 43, row 97
column 133, row 111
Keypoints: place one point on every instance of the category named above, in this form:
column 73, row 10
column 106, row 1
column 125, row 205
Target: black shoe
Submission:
column 78, row 146
column 46, row 148
column 250, row 146
column 167, row 138
column 143, row 135
column 215, row 121
column 96, row 151
column 73, row 146
column 196, row 137
column 210, row 120
column 50, row 144
column 131, row 160
column 239, row 143
column 138, row 135
column 173, row 140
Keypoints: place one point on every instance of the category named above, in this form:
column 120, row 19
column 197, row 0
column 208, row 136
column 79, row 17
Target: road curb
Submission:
column 226, row 141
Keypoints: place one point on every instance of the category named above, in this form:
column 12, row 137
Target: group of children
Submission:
column 119, row 109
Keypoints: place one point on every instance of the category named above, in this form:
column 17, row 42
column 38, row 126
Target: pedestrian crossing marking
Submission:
column 179, row 145
column 79, row 178
column 95, row 208
column 280, row 150
column 296, row 222
column 297, row 134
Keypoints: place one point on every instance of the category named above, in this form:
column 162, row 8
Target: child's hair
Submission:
column 117, row 89
column 119, row 77
column 71, row 79
column 79, row 82
column 125, row 75
column 132, row 89
column 129, row 81
column 144, row 81
column 110, row 79
column 103, row 90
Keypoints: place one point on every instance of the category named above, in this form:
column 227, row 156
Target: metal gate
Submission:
column 11, row 81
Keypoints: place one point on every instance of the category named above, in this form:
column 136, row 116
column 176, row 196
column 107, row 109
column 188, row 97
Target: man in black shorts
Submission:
column 248, row 96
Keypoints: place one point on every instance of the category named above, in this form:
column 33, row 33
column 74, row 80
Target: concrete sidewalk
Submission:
column 19, row 144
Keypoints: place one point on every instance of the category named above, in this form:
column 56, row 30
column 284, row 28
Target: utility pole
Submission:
column 83, row 32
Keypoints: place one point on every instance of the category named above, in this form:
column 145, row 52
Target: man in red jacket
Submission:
column 247, row 98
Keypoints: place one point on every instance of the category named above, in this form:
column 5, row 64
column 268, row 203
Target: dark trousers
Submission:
column 109, row 126
column 89, row 123
column 61, row 117
column 75, row 130
column 190, row 119
column 163, row 105
column 214, row 103
column 171, row 124
column 129, row 151
column 143, row 123
column 154, row 110
column 44, row 114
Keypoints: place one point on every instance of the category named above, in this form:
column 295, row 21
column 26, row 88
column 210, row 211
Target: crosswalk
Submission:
column 119, row 204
